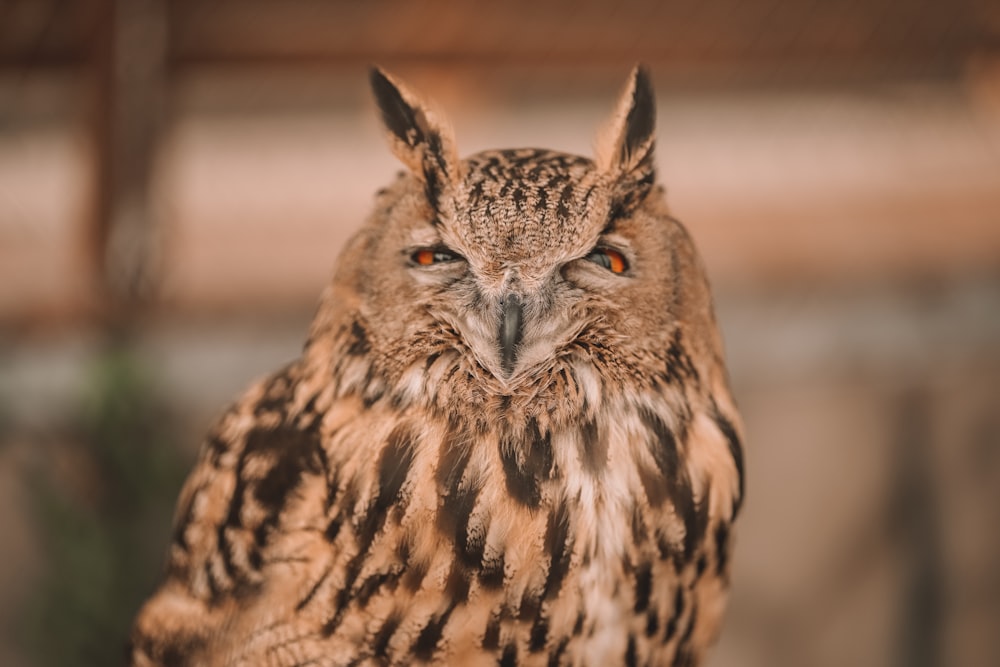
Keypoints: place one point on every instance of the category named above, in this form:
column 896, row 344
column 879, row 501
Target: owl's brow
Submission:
column 609, row 226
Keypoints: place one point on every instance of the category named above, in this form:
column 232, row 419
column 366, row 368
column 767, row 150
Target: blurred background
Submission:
column 176, row 180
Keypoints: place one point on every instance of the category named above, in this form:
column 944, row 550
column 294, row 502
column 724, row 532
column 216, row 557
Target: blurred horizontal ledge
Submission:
column 808, row 64
column 737, row 68
column 715, row 33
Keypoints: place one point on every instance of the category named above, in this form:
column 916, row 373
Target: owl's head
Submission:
column 521, row 259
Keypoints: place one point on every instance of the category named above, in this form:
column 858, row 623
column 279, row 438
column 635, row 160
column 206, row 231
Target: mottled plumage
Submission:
column 509, row 439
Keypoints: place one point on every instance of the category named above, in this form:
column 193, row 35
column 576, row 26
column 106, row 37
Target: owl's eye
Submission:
column 612, row 260
column 429, row 256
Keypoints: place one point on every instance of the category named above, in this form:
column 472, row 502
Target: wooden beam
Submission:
column 128, row 55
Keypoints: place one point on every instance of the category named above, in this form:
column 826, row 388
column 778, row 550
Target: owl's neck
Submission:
column 580, row 385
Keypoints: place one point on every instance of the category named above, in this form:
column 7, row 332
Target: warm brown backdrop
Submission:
column 176, row 179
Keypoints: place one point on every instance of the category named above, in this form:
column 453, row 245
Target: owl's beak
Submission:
column 510, row 331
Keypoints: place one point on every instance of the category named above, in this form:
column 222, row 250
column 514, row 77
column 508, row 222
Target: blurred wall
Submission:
column 176, row 180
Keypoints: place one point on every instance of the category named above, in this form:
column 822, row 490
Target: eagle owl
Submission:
column 509, row 439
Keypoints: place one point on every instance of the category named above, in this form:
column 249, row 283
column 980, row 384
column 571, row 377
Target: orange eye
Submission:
column 612, row 260
column 424, row 257
column 428, row 256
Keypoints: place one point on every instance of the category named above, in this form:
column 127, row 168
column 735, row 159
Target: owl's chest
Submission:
column 538, row 529
column 602, row 590
column 628, row 559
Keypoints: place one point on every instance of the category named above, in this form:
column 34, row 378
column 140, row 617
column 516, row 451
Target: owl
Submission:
column 509, row 439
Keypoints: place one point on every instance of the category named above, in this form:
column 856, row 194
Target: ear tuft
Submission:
column 397, row 116
column 641, row 121
column 625, row 143
column 417, row 136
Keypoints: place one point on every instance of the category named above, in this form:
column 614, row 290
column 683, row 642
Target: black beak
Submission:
column 510, row 332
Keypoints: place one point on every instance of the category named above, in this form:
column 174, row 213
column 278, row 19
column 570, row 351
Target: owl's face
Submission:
column 521, row 258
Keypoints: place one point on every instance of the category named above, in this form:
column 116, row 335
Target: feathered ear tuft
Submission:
column 624, row 145
column 417, row 135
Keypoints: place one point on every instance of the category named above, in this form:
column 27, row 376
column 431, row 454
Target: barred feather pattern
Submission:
column 345, row 527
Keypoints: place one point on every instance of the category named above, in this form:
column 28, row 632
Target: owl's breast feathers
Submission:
column 341, row 516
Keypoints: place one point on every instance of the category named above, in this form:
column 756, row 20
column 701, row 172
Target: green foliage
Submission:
column 104, row 538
